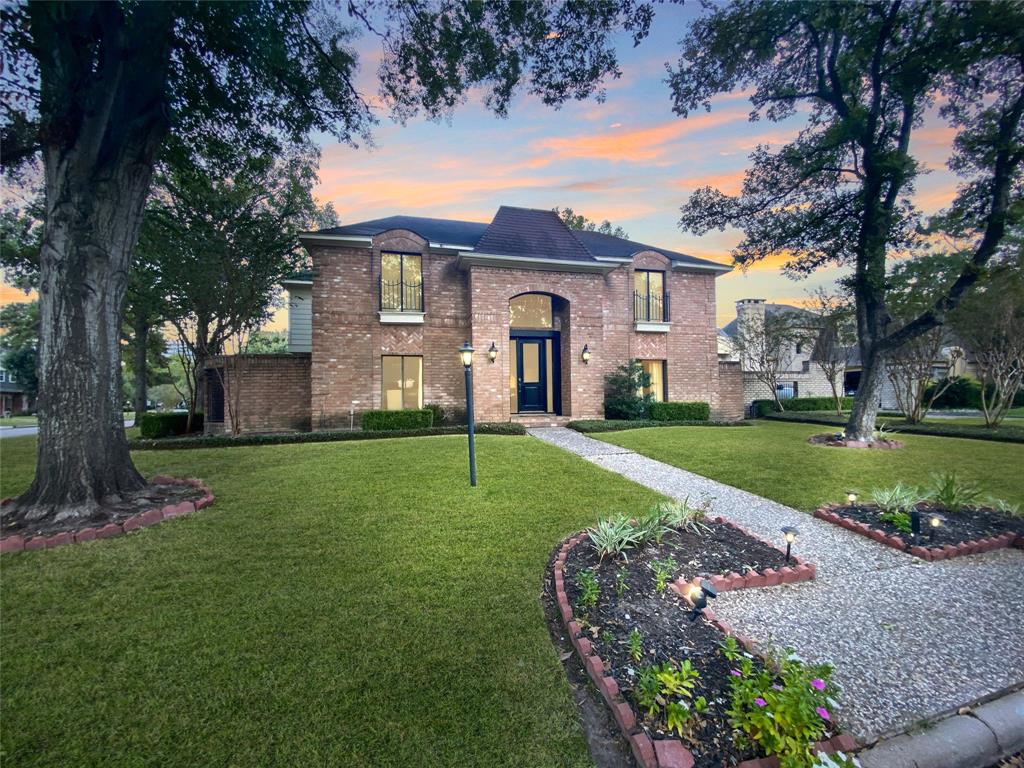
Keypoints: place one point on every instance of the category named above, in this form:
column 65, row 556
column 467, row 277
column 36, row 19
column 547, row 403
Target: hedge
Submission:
column 377, row 421
column 158, row 424
column 680, row 411
column 764, row 407
column 964, row 392
column 289, row 438
column 617, row 425
column 1005, row 434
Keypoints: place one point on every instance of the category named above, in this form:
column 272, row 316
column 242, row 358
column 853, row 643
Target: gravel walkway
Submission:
column 910, row 640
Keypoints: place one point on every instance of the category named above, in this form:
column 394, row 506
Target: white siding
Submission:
column 300, row 318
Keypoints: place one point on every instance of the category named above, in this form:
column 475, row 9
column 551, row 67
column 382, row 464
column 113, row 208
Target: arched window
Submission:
column 531, row 310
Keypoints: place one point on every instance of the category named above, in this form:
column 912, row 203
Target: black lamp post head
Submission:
column 466, row 353
column 790, row 533
column 700, row 598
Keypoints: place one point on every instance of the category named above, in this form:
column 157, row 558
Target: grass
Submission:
column 349, row 604
column 774, row 459
column 18, row 421
column 1011, row 430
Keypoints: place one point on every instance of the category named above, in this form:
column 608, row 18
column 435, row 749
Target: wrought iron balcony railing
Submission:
column 401, row 297
column 650, row 307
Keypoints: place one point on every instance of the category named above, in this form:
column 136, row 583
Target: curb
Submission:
column 947, row 552
column 150, row 517
column 988, row 733
column 668, row 752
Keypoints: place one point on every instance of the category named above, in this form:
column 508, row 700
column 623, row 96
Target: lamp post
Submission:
column 790, row 534
column 466, row 355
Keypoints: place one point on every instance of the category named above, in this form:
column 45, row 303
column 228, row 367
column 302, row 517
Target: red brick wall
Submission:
column 269, row 393
column 730, row 392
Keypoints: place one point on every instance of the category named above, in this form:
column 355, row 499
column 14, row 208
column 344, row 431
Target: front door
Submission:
column 532, row 375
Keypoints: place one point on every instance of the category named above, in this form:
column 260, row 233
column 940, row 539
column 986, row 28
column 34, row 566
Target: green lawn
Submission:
column 18, row 421
column 774, row 459
column 349, row 604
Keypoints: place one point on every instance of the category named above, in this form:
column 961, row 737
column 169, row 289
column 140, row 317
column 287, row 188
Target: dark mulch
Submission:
column 115, row 509
column 664, row 625
column 969, row 525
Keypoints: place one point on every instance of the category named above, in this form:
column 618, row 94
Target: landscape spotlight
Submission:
column 933, row 523
column 699, row 597
column 790, row 534
column 585, row 354
column 492, row 353
column 851, row 497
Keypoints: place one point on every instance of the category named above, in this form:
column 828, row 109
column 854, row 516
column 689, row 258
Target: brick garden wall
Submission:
column 270, row 393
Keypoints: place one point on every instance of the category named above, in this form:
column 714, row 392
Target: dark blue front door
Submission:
column 532, row 374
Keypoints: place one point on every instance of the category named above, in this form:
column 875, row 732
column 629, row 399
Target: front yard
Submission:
column 773, row 459
column 341, row 604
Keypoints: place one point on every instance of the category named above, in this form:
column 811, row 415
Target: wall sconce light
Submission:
column 699, row 597
column 585, row 354
column 492, row 353
column 789, row 534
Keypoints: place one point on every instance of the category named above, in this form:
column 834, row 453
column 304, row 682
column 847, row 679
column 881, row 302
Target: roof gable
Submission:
column 531, row 233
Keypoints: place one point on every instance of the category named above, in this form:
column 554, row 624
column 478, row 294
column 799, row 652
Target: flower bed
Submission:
column 836, row 440
column 681, row 692
column 972, row 531
column 185, row 497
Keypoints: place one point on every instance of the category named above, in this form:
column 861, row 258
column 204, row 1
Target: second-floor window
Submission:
column 649, row 298
column 401, row 282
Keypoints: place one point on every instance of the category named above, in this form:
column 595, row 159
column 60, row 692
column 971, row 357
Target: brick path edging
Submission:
column 669, row 752
column 17, row 543
column 946, row 552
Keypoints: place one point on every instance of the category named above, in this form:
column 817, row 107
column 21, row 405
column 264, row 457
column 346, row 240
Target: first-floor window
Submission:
column 656, row 370
column 785, row 390
column 401, row 382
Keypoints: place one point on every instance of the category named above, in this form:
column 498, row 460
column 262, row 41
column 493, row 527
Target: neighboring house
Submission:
column 13, row 399
column 804, row 376
column 378, row 321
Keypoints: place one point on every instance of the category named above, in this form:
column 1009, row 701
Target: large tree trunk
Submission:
column 861, row 425
column 140, row 359
column 103, row 119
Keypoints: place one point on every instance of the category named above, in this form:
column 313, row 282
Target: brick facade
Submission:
column 266, row 393
column 593, row 308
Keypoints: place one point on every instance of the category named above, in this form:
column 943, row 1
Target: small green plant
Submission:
column 677, row 716
column 1001, row 505
column 782, row 707
column 589, row 589
column 636, row 650
column 898, row 499
column 700, row 705
column 730, row 648
column 613, row 536
column 648, row 690
column 898, row 520
column 684, row 517
column 952, row 493
column 663, row 570
column 677, row 681
column 620, row 582
column 652, row 527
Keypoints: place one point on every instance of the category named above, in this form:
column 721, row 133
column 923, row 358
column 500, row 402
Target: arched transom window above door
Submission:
column 531, row 310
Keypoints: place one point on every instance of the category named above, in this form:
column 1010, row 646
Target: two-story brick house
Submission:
column 378, row 322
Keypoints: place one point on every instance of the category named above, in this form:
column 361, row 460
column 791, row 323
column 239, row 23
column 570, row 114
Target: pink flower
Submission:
column 735, row 673
column 762, row 703
column 824, row 713
column 818, row 683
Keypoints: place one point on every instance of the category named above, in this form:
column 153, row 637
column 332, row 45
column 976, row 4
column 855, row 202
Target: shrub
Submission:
column 616, row 425
column 963, row 392
column 952, row 493
column 437, row 410
column 613, row 536
column 621, row 400
column 898, row 499
column 290, row 438
column 764, row 408
column 404, row 419
column 446, row 415
column 693, row 411
column 157, row 424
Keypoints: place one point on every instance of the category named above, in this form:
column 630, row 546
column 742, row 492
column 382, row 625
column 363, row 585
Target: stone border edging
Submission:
column 18, row 543
column 669, row 752
column 930, row 554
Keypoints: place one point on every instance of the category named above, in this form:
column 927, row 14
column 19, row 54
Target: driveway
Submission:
column 26, row 431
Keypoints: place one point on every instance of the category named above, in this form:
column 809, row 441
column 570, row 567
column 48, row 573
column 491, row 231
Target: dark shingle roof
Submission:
column 443, row 231
column 531, row 233
column 613, row 247
column 526, row 232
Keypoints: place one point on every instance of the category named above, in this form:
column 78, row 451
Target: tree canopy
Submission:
column 575, row 220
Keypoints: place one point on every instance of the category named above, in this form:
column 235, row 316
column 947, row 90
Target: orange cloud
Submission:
column 638, row 145
column 730, row 182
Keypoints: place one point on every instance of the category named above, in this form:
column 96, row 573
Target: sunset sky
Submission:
column 629, row 160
